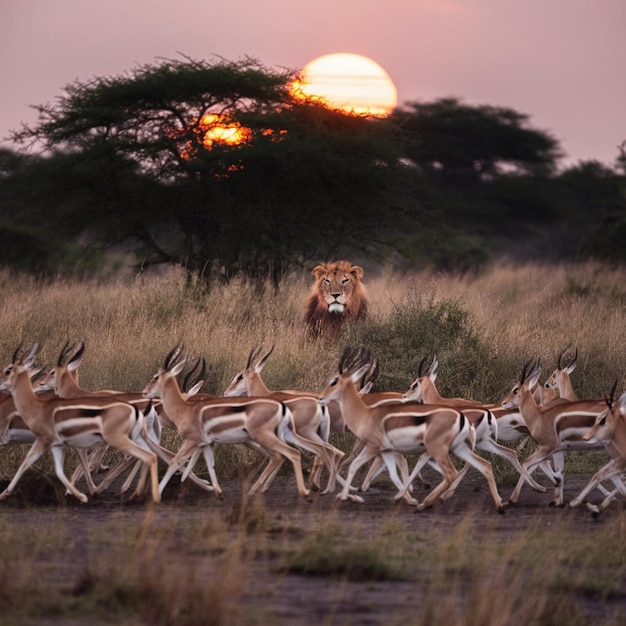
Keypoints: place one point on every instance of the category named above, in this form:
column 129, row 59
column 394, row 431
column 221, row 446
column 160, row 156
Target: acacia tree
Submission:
column 219, row 168
column 490, row 172
column 460, row 145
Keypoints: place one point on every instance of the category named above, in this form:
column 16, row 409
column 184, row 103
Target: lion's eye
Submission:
column 345, row 280
column 326, row 281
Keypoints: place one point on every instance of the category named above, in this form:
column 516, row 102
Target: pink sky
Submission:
column 562, row 62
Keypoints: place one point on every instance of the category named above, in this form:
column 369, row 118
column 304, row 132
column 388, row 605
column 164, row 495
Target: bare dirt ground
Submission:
column 257, row 590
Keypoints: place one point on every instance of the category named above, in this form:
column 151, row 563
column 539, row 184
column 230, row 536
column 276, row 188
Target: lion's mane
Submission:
column 337, row 296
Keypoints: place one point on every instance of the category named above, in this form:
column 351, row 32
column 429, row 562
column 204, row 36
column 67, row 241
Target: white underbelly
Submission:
column 85, row 440
column 17, row 435
column 512, row 427
column 408, row 440
column 227, row 435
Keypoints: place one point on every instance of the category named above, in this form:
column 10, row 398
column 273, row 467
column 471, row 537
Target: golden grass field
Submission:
column 277, row 560
column 129, row 325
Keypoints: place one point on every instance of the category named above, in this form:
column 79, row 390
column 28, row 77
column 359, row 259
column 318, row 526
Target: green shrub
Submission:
column 419, row 328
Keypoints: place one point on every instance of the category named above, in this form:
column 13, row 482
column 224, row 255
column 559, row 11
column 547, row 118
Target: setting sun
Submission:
column 349, row 82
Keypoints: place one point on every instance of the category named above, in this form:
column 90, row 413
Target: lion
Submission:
column 338, row 296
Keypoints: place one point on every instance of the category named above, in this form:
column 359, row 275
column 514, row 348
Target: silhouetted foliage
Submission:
column 496, row 184
column 462, row 145
column 138, row 161
column 302, row 183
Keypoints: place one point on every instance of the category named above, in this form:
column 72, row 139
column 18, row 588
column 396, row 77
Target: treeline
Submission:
column 219, row 168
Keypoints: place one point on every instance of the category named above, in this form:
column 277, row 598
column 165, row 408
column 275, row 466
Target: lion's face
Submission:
column 337, row 296
column 336, row 283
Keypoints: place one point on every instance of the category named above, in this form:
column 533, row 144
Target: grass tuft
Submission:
column 329, row 554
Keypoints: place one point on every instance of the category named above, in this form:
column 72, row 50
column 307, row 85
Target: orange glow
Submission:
column 213, row 129
column 348, row 82
column 217, row 129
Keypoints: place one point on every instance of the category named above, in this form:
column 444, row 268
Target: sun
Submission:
column 349, row 82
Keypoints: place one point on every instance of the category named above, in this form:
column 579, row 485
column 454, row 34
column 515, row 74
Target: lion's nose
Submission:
column 335, row 295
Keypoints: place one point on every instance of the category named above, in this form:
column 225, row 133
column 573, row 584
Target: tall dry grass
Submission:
column 516, row 312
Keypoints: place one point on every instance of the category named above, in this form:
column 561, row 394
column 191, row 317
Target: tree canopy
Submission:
column 463, row 144
column 219, row 168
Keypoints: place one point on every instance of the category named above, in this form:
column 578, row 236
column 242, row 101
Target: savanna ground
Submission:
column 278, row 559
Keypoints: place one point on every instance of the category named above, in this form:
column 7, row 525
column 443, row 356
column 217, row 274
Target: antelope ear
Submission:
column 258, row 368
column 366, row 388
column 533, row 379
column 29, row 357
column 72, row 366
column 432, row 370
column 358, row 374
column 194, row 390
column 178, row 368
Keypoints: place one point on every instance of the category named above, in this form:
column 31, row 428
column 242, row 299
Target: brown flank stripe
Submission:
column 405, row 421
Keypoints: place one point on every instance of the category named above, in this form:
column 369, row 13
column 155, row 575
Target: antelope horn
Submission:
column 420, row 367
column 266, row 356
column 254, row 353
column 187, row 378
column 611, row 398
column 528, row 369
column 63, row 354
column 172, row 357
column 17, row 352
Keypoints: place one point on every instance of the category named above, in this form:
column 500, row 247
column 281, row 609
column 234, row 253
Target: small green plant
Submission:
column 328, row 554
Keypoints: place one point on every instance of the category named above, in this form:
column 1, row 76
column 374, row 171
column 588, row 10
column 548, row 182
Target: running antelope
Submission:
column 261, row 423
column 511, row 426
column 559, row 383
column 311, row 420
column 13, row 429
column 424, row 390
column 405, row 428
column 64, row 379
column 555, row 428
column 610, row 429
column 80, row 423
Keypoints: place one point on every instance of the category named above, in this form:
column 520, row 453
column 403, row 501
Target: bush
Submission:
column 419, row 328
